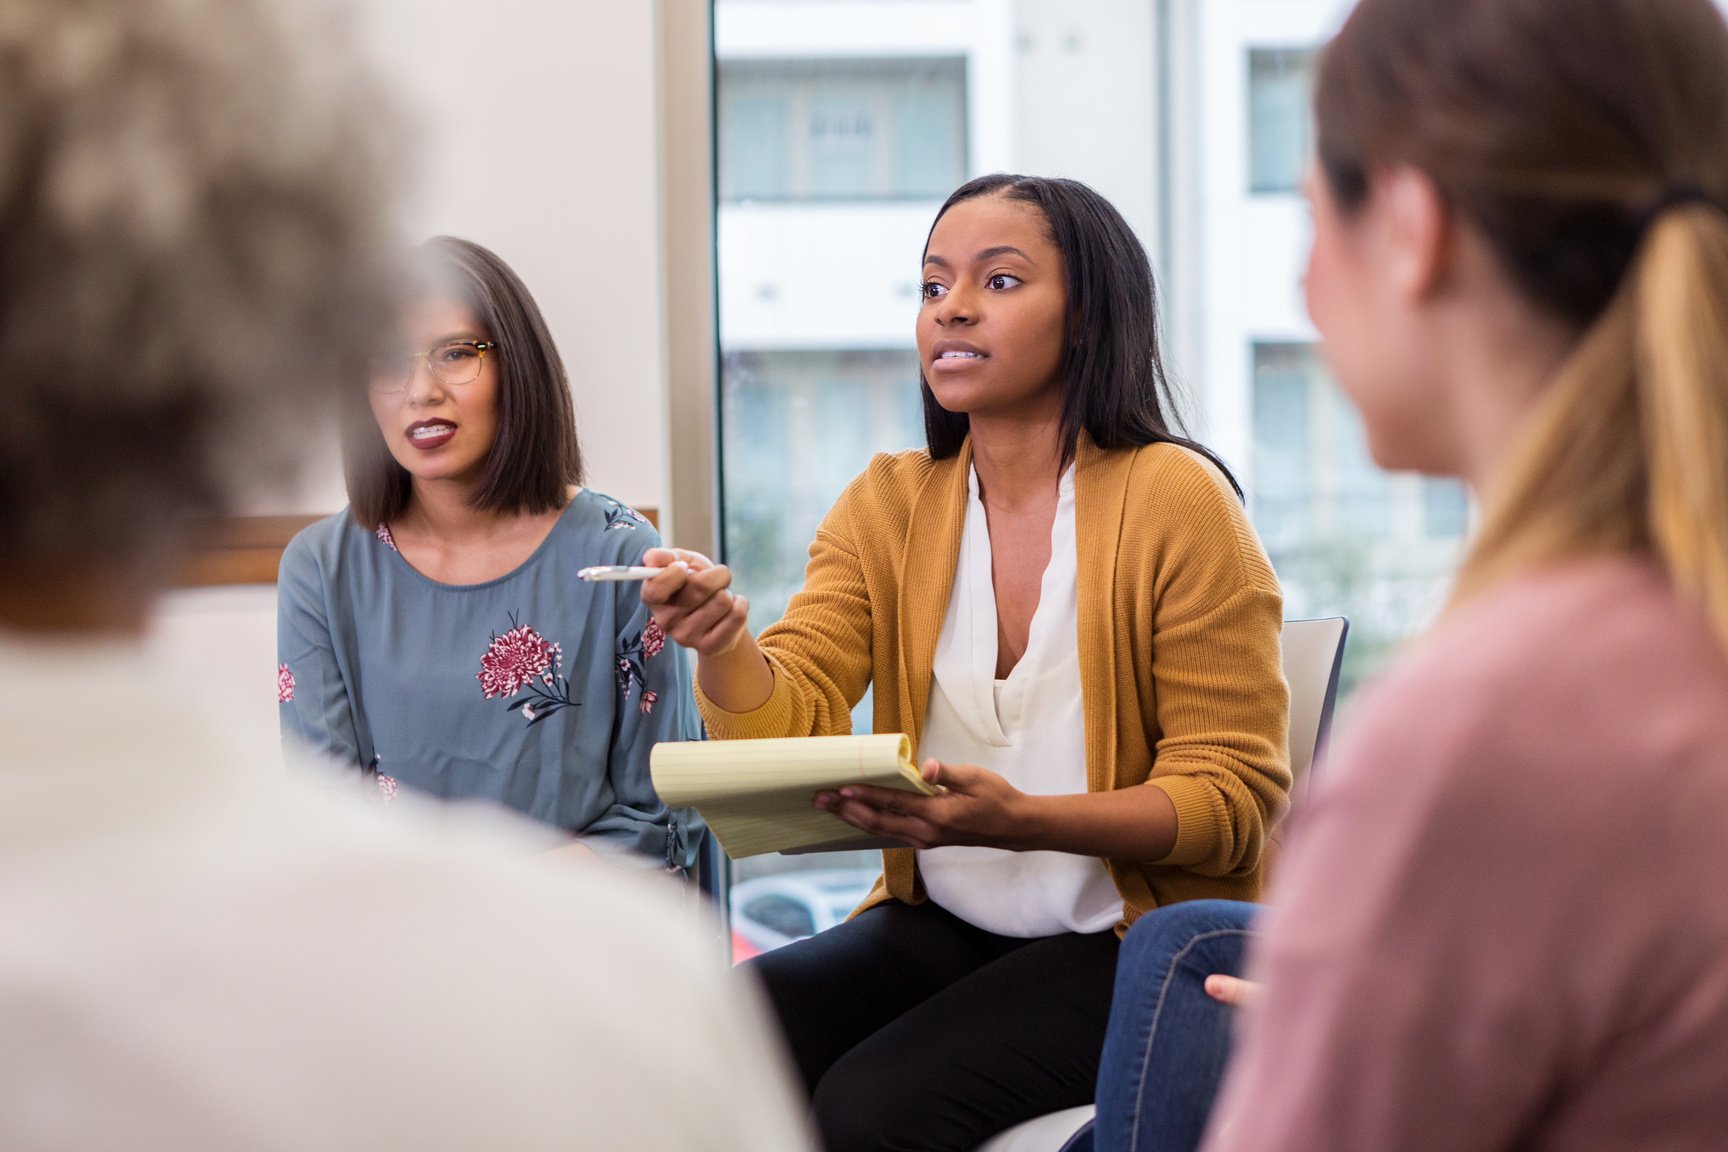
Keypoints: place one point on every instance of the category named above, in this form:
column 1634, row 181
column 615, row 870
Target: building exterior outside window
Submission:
column 842, row 124
column 795, row 426
column 841, row 129
column 1344, row 535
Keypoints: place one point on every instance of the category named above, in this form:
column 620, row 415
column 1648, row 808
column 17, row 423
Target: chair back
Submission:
column 1313, row 657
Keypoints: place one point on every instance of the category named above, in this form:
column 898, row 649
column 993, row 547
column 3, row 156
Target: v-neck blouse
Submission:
column 1030, row 727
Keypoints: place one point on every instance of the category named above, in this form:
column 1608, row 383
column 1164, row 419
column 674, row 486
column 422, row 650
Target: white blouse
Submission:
column 1030, row 728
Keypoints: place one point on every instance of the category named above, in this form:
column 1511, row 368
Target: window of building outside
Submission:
column 793, row 129
column 831, row 164
column 796, row 427
column 1279, row 132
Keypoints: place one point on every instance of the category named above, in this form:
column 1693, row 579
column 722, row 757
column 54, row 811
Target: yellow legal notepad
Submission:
column 755, row 794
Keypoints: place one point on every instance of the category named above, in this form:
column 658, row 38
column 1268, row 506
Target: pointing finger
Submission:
column 1232, row 990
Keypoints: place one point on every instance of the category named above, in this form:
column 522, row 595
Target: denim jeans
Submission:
column 1168, row 1041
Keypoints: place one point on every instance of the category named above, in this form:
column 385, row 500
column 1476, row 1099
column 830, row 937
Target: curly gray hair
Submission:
column 195, row 238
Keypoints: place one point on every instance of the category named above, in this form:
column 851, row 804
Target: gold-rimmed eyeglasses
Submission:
column 451, row 362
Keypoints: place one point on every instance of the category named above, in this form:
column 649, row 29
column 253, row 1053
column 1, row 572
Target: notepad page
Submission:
column 755, row 794
column 687, row 772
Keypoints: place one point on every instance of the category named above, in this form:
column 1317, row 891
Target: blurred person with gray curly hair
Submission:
column 195, row 241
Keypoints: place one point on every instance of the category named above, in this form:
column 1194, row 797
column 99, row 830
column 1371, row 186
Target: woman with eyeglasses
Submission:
column 434, row 635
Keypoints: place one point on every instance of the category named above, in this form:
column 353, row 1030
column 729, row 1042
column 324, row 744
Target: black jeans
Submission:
column 914, row 1030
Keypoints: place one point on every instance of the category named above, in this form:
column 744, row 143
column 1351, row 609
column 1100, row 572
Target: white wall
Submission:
column 218, row 645
column 536, row 126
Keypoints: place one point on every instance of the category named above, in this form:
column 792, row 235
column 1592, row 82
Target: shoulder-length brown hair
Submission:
column 536, row 456
column 1587, row 142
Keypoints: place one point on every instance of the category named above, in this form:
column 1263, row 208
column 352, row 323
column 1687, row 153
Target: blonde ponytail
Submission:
column 1681, row 277
column 1628, row 450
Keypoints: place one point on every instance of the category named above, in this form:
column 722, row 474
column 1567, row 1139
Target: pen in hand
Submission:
column 607, row 572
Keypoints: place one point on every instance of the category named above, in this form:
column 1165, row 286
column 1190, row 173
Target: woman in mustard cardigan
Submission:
column 1063, row 605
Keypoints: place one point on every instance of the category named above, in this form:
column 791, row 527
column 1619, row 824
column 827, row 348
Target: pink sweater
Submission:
column 1503, row 924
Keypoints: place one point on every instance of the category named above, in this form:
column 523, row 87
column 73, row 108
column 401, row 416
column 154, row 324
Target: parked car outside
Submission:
column 770, row 911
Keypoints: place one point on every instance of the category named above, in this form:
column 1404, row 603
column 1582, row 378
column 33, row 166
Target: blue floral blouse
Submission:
column 537, row 690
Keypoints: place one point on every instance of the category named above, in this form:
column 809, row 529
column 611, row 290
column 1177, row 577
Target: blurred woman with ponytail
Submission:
column 1504, row 921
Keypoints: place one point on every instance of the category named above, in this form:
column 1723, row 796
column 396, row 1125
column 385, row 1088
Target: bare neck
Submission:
column 1503, row 376
column 1492, row 424
column 441, row 511
column 1489, row 356
column 1019, row 463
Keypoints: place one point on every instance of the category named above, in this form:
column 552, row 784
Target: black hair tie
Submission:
column 1676, row 196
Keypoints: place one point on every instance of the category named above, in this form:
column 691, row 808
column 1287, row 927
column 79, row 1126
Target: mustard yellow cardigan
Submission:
column 1179, row 620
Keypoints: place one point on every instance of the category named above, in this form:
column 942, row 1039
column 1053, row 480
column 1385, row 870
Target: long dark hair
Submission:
column 1115, row 385
column 536, row 456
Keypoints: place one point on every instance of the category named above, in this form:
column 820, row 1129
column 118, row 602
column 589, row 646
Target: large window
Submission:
column 797, row 426
column 841, row 129
column 841, row 126
column 1343, row 535
column 1313, row 478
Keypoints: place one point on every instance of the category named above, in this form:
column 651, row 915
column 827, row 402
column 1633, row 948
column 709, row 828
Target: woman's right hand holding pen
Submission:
column 692, row 601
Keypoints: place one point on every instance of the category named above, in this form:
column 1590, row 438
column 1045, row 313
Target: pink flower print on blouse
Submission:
column 633, row 656
column 284, row 685
column 523, row 660
column 383, row 533
column 383, row 785
column 515, row 660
